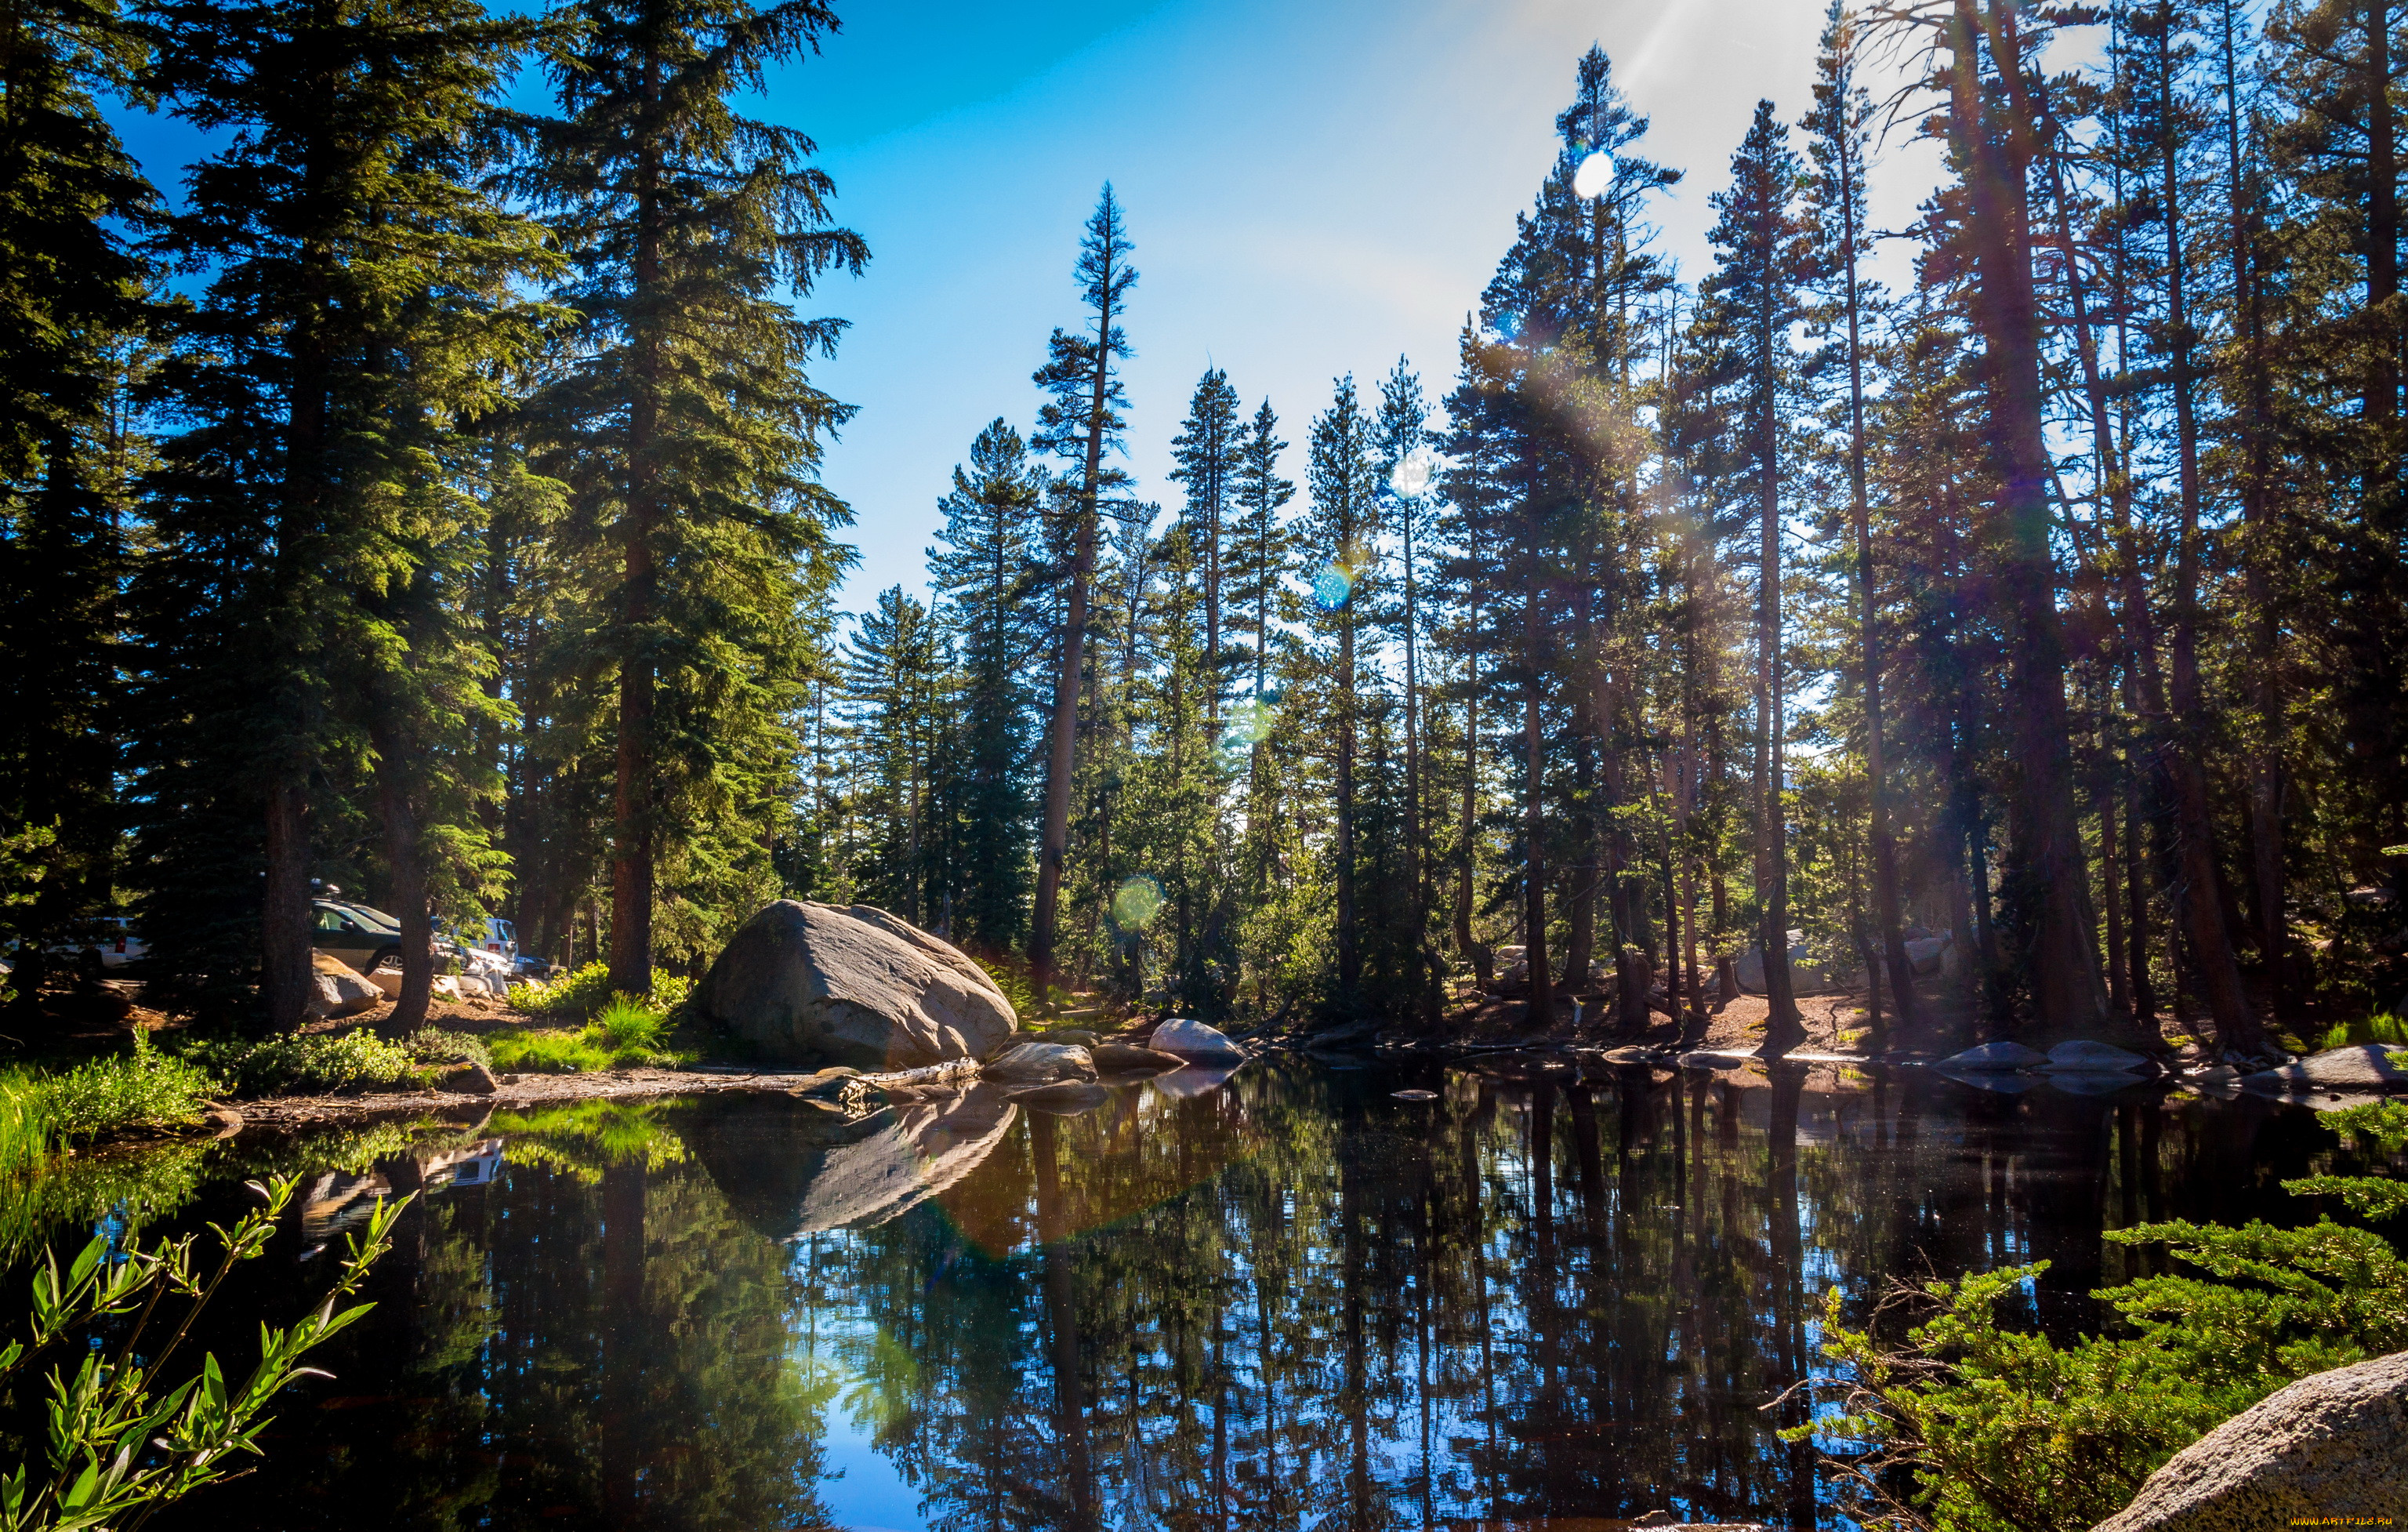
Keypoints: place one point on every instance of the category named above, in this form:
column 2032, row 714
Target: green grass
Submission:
column 2380, row 1027
column 43, row 1112
column 623, row 1030
column 585, row 994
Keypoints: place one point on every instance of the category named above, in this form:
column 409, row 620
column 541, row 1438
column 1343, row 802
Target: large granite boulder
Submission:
column 819, row 983
column 2328, row 1450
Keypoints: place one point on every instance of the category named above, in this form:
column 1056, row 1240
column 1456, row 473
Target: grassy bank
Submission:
column 43, row 1113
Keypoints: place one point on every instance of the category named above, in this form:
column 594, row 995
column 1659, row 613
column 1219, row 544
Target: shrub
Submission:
column 305, row 1064
column 1997, row 1430
column 141, row 1089
column 433, row 1045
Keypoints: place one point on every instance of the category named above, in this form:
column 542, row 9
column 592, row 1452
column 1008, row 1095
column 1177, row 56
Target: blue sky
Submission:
column 1314, row 188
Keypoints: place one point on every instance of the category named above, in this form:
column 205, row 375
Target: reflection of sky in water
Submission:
column 1578, row 1292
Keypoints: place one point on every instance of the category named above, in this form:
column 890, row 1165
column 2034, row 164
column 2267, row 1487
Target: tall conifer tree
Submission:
column 1081, row 422
column 686, row 428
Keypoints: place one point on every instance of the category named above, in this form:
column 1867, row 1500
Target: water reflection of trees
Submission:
column 1294, row 1302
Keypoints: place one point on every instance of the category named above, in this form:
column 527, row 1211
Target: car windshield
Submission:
column 366, row 916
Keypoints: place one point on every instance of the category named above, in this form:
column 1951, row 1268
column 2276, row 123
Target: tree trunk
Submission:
column 1542, row 1007
column 2210, row 937
column 631, row 818
column 1063, row 736
column 2058, row 950
column 1885, row 844
column 287, row 979
column 409, row 896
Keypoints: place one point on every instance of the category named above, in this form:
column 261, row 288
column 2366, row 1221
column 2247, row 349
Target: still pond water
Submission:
column 1284, row 1298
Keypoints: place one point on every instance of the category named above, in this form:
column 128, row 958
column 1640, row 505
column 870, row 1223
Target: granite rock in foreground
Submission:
column 2329, row 1449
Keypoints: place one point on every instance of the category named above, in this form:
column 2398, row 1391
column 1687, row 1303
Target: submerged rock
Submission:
column 1192, row 1040
column 1128, row 1058
column 2095, row 1058
column 2326, row 1451
column 1194, row 1081
column 1994, row 1056
column 1041, row 1064
column 816, row 983
column 2370, row 1067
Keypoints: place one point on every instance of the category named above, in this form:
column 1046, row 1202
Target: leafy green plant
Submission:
column 307, row 1064
column 120, row 1442
column 2381, row 1026
column 1973, row 1425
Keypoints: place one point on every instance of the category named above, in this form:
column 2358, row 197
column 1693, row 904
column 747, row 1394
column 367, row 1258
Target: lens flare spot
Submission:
column 1331, row 588
column 1249, row 722
column 1595, row 175
column 1136, row 903
column 1412, row 475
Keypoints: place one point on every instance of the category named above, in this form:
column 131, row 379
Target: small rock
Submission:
column 468, row 1079
column 223, row 1120
column 2311, row 1455
column 1193, row 1041
column 2094, row 1058
column 1115, row 1058
column 1996, row 1056
column 1041, row 1064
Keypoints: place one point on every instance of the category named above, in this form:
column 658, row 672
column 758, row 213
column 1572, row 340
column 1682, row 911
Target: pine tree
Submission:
column 1841, row 141
column 686, row 427
column 1081, row 422
column 892, row 673
column 72, row 320
column 1993, row 126
column 984, row 571
column 1400, row 434
column 1262, row 547
column 361, row 303
column 1205, row 457
column 1339, row 545
column 1753, row 301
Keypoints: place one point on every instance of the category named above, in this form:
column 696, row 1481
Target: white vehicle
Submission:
column 108, row 943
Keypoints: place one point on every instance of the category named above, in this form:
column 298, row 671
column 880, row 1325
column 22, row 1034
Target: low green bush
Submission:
column 1973, row 1425
column 309, row 1064
column 433, row 1045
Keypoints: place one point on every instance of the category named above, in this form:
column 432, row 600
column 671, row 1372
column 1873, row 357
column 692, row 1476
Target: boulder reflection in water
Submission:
column 847, row 1175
